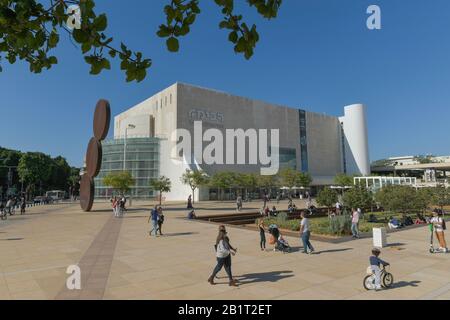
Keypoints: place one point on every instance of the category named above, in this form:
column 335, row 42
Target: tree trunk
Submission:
column 160, row 197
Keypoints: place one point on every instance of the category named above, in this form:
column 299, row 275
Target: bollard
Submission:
column 379, row 237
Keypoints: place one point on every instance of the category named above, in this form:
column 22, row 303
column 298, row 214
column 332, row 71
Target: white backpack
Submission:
column 222, row 250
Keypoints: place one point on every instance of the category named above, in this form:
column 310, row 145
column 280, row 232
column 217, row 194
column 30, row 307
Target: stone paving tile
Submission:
column 176, row 266
column 96, row 263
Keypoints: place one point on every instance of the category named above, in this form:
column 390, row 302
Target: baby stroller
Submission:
column 280, row 243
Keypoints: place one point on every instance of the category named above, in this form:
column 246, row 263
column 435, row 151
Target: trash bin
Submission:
column 379, row 237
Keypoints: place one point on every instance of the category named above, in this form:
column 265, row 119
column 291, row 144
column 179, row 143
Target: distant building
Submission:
column 430, row 170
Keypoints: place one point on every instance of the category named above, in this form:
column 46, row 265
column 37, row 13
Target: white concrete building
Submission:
column 319, row 144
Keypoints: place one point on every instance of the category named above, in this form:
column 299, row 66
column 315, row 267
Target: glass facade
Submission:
column 303, row 141
column 142, row 160
column 288, row 158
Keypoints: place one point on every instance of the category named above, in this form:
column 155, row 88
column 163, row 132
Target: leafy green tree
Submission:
column 422, row 159
column 304, row 179
column 74, row 181
column 289, row 177
column 248, row 181
column 403, row 198
column 358, row 197
column 30, row 30
column 194, row 179
column 60, row 174
column 162, row 184
column 121, row 181
column 224, row 180
column 34, row 168
column 9, row 158
column 441, row 197
column 344, row 180
column 327, row 197
column 292, row 178
column 267, row 182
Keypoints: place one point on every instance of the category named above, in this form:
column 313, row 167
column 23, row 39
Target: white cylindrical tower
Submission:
column 356, row 140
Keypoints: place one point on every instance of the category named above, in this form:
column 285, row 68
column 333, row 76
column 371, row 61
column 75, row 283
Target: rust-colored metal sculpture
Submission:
column 102, row 118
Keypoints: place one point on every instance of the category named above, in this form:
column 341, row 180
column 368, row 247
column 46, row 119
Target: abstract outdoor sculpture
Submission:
column 102, row 118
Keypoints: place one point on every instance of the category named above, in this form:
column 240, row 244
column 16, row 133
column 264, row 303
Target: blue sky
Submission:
column 317, row 55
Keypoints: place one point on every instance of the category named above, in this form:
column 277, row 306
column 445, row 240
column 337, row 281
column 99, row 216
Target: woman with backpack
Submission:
column 224, row 250
column 439, row 227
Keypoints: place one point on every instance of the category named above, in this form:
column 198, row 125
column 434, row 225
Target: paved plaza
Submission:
column 119, row 260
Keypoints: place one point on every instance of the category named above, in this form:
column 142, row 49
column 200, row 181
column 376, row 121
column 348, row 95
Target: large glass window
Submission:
column 303, row 141
column 288, row 158
column 142, row 160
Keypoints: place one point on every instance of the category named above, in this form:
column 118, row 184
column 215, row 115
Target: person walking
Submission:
column 122, row 203
column 8, row 206
column 23, row 205
column 224, row 250
column 154, row 220
column 160, row 220
column 355, row 222
column 305, row 234
column 114, row 206
column 338, row 208
column 262, row 235
column 439, row 227
column 189, row 202
column 239, row 203
column 265, row 199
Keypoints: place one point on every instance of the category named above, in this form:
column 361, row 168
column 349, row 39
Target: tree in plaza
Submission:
column 358, row 197
column 162, row 184
column 403, row 198
column 9, row 160
column 121, row 181
column 267, row 182
column 292, row 178
column 344, row 180
column 441, row 197
column 34, row 168
column 304, row 179
column 74, row 181
column 194, row 179
column 289, row 177
column 248, row 181
column 60, row 174
column 224, row 180
column 327, row 197
column 30, row 30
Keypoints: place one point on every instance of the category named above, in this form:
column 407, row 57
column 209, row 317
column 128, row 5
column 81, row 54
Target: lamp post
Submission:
column 130, row 126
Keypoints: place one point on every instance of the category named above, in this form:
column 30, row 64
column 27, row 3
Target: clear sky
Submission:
column 317, row 55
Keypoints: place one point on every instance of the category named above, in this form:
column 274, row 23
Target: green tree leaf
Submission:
column 173, row 44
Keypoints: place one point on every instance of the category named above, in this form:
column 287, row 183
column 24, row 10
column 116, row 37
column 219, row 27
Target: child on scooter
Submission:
column 375, row 264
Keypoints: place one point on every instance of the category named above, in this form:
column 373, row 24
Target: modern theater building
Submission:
column 145, row 144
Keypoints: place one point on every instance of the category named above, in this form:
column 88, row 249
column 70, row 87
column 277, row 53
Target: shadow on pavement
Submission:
column 395, row 245
column 403, row 284
column 273, row 276
column 333, row 251
column 179, row 234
